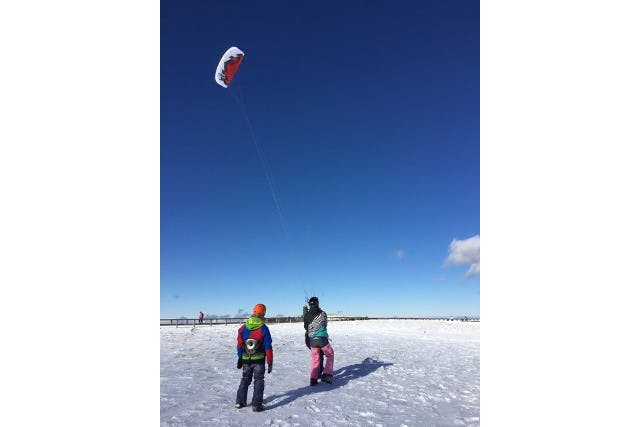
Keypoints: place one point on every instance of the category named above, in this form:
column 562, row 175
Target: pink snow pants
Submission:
column 315, row 361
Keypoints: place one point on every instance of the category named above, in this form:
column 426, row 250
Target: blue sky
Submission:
column 367, row 115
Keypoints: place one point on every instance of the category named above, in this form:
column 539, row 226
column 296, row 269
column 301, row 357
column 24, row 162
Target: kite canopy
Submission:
column 228, row 66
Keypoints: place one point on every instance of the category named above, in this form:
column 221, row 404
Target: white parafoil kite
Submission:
column 228, row 66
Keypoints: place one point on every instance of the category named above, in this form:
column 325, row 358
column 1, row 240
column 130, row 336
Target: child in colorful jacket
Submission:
column 254, row 346
column 315, row 325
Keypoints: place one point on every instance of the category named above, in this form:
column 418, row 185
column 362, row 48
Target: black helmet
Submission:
column 313, row 301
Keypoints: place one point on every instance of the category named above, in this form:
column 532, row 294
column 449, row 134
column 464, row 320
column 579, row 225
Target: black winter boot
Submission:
column 327, row 378
column 313, row 381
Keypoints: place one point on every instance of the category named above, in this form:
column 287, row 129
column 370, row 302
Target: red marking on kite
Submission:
column 230, row 68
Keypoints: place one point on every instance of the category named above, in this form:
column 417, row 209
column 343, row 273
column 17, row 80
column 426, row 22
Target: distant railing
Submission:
column 446, row 318
column 225, row 321
column 294, row 319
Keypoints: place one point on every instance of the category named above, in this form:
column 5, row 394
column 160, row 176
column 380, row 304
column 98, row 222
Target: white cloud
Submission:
column 465, row 252
column 399, row 254
column 474, row 270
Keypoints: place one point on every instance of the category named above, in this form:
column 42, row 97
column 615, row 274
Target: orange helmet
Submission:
column 260, row 310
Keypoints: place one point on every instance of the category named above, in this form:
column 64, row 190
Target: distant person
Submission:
column 254, row 345
column 200, row 317
column 315, row 325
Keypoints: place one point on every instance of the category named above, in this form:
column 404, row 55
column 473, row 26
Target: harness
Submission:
column 252, row 346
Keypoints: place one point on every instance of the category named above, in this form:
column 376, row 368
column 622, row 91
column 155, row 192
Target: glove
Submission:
column 269, row 368
column 239, row 365
column 307, row 342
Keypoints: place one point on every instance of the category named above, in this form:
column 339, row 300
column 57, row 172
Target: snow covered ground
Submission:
column 386, row 373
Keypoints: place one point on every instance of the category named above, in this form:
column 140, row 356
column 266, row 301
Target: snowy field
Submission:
column 386, row 373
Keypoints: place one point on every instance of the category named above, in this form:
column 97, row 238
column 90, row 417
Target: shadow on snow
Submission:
column 340, row 377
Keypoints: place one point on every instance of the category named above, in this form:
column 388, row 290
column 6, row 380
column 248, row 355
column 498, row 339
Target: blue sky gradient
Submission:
column 368, row 118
